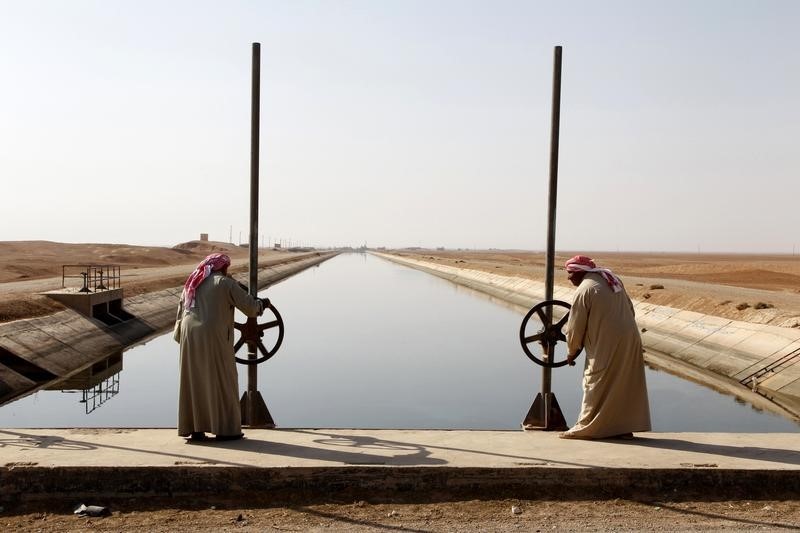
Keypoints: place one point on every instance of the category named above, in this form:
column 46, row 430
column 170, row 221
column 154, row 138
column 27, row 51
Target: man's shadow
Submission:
column 774, row 455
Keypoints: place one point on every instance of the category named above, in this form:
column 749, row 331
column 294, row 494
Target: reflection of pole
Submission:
column 254, row 410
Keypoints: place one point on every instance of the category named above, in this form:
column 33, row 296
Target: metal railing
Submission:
column 782, row 363
column 91, row 278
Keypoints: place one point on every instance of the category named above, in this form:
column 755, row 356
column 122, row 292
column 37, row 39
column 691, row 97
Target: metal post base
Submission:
column 254, row 411
column 545, row 414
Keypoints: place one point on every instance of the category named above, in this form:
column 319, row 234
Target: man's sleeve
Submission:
column 578, row 319
column 242, row 300
column 176, row 330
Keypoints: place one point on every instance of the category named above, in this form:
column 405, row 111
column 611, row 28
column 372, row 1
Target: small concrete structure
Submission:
column 99, row 295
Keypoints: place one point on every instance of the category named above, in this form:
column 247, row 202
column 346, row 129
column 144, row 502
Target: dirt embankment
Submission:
column 762, row 289
column 474, row 515
column 28, row 268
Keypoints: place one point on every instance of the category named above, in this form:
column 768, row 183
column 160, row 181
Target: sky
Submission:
column 403, row 123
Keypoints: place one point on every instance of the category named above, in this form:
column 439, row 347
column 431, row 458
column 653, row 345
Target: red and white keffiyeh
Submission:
column 212, row 263
column 581, row 263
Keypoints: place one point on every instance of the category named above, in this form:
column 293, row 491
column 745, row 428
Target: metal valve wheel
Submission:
column 252, row 333
column 549, row 335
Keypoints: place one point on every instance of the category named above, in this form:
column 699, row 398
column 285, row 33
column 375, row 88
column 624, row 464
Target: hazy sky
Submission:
column 403, row 123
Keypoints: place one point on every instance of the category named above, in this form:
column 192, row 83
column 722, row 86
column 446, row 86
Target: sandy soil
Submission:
column 763, row 289
column 28, row 268
column 755, row 288
column 474, row 515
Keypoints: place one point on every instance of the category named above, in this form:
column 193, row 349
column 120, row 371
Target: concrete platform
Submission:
column 415, row 465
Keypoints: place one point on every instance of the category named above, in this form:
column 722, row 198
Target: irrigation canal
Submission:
column 371, row 344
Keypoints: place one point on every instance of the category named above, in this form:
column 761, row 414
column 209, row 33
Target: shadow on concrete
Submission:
column 773, row 455
column 43, row 442
column 725, row 517
column 132, row 331
column 417, row 455
column 25, row 441
column 371, row 442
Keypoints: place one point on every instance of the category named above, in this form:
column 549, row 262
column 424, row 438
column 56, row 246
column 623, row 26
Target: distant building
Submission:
column 204, row 236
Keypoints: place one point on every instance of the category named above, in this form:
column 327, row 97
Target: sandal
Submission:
column 198, row 436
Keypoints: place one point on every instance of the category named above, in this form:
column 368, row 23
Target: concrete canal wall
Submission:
column 37, row 353
column 753, row 361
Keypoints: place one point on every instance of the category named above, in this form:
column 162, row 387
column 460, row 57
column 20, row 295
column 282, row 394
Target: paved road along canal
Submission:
column 371, row 344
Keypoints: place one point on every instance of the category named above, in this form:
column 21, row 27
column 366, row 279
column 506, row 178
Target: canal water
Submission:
column 371, row 344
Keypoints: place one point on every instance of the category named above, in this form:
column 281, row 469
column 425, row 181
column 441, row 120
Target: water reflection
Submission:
column 371, row 344
column 96, row 384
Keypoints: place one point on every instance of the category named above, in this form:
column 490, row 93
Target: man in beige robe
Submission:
column 208, row 398
column 602, row 322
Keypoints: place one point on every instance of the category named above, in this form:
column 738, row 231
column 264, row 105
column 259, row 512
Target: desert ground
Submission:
column 472, row 515
column 763, row 289
column 29, row 268
column 755, row 288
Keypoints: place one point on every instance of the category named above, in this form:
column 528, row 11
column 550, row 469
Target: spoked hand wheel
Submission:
column 252, row 333
column 549, row 335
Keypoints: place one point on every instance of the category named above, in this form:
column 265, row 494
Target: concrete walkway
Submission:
column 39, row 464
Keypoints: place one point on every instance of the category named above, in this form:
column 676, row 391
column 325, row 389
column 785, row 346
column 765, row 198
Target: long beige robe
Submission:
column 208, row 397
column 614, row 388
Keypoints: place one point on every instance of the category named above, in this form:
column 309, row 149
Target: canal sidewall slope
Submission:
column 66, row 343
column 717, row 352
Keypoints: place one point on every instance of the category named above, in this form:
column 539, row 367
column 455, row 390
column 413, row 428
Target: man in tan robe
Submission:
column 208, row 398
column 602, row 322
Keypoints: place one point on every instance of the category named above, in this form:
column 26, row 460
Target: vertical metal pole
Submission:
column 255, row 120
column 254, row 410
column 552, row 194
column 551, row 219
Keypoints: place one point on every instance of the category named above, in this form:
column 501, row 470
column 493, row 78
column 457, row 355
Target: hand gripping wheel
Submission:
column 550, row 333
column 252, row 333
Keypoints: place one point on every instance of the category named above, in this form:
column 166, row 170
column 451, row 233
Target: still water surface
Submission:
column 371, row 344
